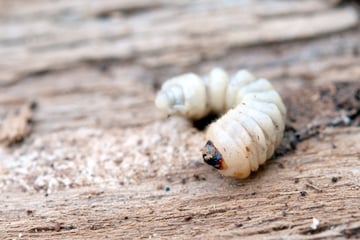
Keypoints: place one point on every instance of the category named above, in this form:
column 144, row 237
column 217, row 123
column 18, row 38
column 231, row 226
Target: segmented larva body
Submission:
column 252, row 128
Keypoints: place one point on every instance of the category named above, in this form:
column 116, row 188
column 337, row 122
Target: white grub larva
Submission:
column 250, row 131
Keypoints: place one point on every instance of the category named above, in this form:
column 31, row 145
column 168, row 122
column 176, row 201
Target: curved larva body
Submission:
column 243, row 138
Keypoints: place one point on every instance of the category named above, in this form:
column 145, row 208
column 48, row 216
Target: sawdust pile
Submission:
column 84, row 157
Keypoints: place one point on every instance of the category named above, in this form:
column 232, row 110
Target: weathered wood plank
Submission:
column 102, row 162
column 268, row 205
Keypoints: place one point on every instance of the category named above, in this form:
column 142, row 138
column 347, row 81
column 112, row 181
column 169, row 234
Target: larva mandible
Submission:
column 243, row 138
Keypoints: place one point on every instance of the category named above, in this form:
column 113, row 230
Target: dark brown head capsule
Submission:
column 212, row 156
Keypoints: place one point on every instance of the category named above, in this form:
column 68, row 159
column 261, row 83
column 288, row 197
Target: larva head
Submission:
column 212, row 156
column 224, row 142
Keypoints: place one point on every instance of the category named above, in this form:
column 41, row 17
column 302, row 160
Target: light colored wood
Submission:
column 102, row 162
column 268, row 205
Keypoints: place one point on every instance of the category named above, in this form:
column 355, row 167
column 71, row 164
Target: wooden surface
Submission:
column 85, row 154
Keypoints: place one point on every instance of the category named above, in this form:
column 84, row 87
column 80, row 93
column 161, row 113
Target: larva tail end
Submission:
column 163, row 102
column 212, row 156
